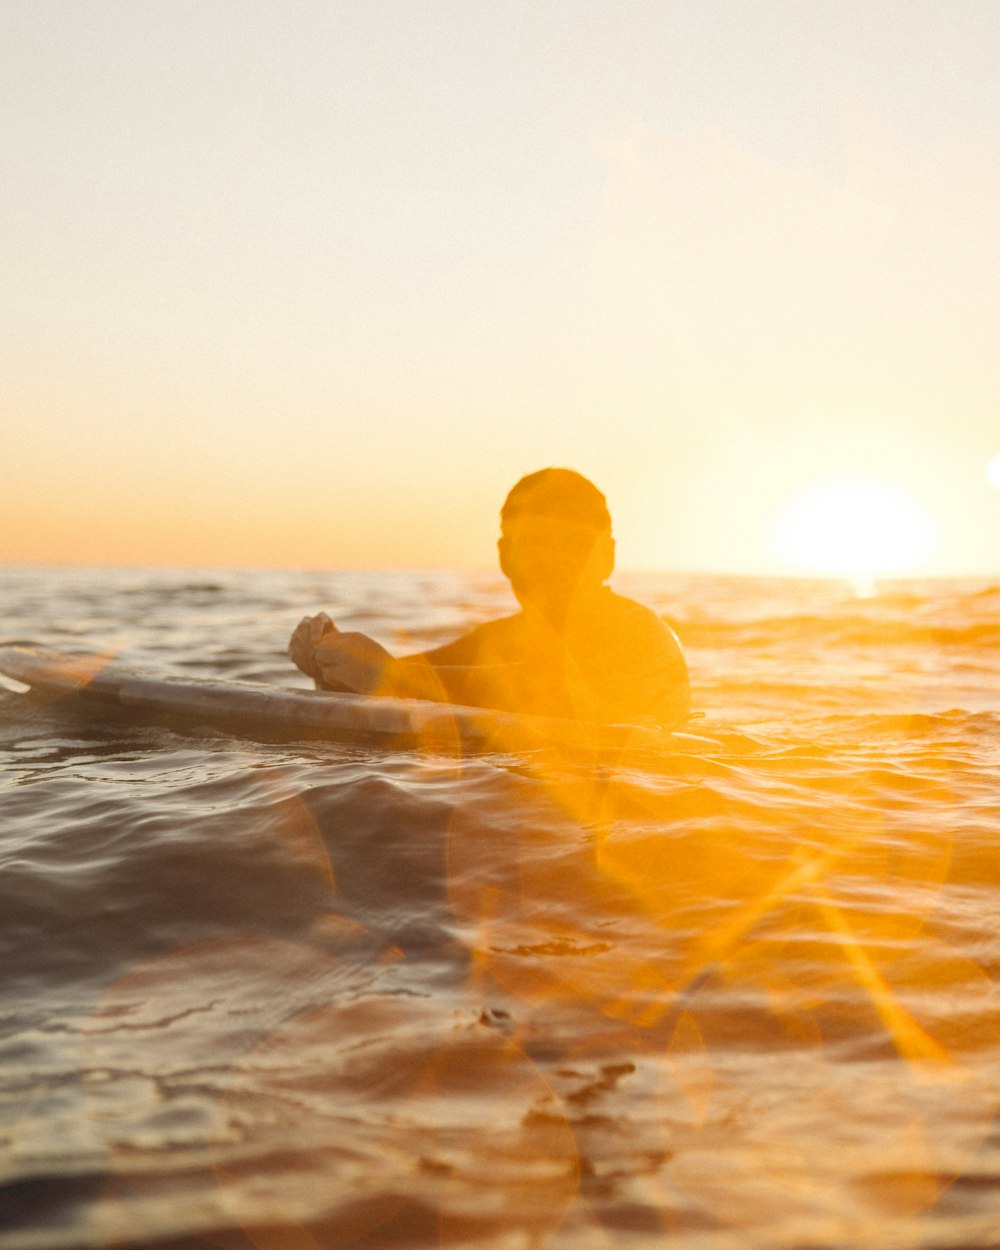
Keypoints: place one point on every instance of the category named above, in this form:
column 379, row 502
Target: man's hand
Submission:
column 354, row 662
column 305, row 636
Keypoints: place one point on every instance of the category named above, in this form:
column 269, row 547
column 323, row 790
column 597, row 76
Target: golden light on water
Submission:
column 678, row 926
column 856, row 526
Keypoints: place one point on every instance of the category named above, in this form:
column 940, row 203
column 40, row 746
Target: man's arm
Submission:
column 356, row 662
column 453, row 673
column 351, row 661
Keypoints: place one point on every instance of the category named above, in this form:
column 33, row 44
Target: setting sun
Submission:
column 854, row 525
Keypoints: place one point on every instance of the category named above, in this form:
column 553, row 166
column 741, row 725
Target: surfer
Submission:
column 575, row 648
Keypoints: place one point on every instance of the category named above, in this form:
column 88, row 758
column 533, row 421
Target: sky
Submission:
column 312, row 285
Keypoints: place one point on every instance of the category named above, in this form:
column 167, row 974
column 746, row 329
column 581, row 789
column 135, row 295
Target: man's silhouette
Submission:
column 575, row 649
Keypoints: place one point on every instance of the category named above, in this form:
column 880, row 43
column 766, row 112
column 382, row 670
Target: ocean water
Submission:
column 739, row 995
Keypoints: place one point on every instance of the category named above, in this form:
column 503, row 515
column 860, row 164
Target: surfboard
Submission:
column 97, row 683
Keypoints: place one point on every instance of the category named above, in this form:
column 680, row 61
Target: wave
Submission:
column 777, row 632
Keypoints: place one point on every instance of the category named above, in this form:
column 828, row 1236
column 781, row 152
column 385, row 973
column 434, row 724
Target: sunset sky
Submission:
column 313, row 284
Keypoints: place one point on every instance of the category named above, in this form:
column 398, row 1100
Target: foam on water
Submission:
column 309, row 994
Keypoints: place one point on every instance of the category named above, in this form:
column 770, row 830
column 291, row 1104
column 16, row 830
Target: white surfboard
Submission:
column 255, row 709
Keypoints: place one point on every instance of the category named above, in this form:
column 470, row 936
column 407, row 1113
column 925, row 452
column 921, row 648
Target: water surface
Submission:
column 287, row 994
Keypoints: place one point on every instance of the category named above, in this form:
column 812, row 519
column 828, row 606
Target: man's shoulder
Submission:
column 637, row 632
column 631, row 614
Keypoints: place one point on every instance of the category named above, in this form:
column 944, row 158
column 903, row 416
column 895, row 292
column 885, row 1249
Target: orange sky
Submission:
column 313, row 287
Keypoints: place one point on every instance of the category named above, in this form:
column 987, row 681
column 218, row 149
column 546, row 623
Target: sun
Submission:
column 854, row 526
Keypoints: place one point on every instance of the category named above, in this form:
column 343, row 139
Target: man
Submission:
column 576, row 649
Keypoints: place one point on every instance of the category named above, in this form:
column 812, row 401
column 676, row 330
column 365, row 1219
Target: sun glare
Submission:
column 854, row 526
column 993, row 472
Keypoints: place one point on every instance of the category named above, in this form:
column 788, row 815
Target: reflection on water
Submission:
column 743, row 993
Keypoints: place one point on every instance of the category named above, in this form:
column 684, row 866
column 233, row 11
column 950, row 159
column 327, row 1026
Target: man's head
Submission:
column 555, row 539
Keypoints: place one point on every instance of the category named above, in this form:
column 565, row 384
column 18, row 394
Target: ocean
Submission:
column 741, row 994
